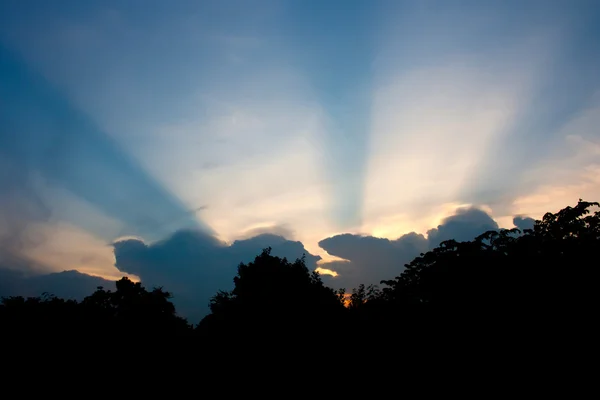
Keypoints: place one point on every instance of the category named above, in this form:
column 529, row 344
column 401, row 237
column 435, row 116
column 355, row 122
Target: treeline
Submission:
column 543, row 278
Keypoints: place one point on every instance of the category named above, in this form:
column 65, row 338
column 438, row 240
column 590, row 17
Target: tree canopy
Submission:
column 272, row 294
column 129, row 310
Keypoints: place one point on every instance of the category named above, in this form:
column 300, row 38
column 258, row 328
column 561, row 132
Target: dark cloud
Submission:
column 194, row 265
column 370, row 259
column 66, row 284
column 523, row 222
column 465, row 225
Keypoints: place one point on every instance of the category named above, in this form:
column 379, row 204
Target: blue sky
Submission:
column 306, row 119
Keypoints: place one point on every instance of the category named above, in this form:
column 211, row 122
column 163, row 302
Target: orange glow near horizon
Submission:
column 325, row 271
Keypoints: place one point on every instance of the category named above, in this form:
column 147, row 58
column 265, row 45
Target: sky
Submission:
column 168, row 141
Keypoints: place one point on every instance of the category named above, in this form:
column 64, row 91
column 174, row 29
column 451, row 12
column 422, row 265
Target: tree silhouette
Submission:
column 273, row 295
column 361, row 295
column 130, row 310
column 535, row 277
column 38, row 316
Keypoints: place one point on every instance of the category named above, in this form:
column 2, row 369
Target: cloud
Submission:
column 66, row 284
column 465, row 225
column 369, row 259
column 194, row 265
column 523, row 222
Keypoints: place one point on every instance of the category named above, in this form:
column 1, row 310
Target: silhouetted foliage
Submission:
column 361, row 295
column 542, row 276
column 129, row 310
column 272, row 294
